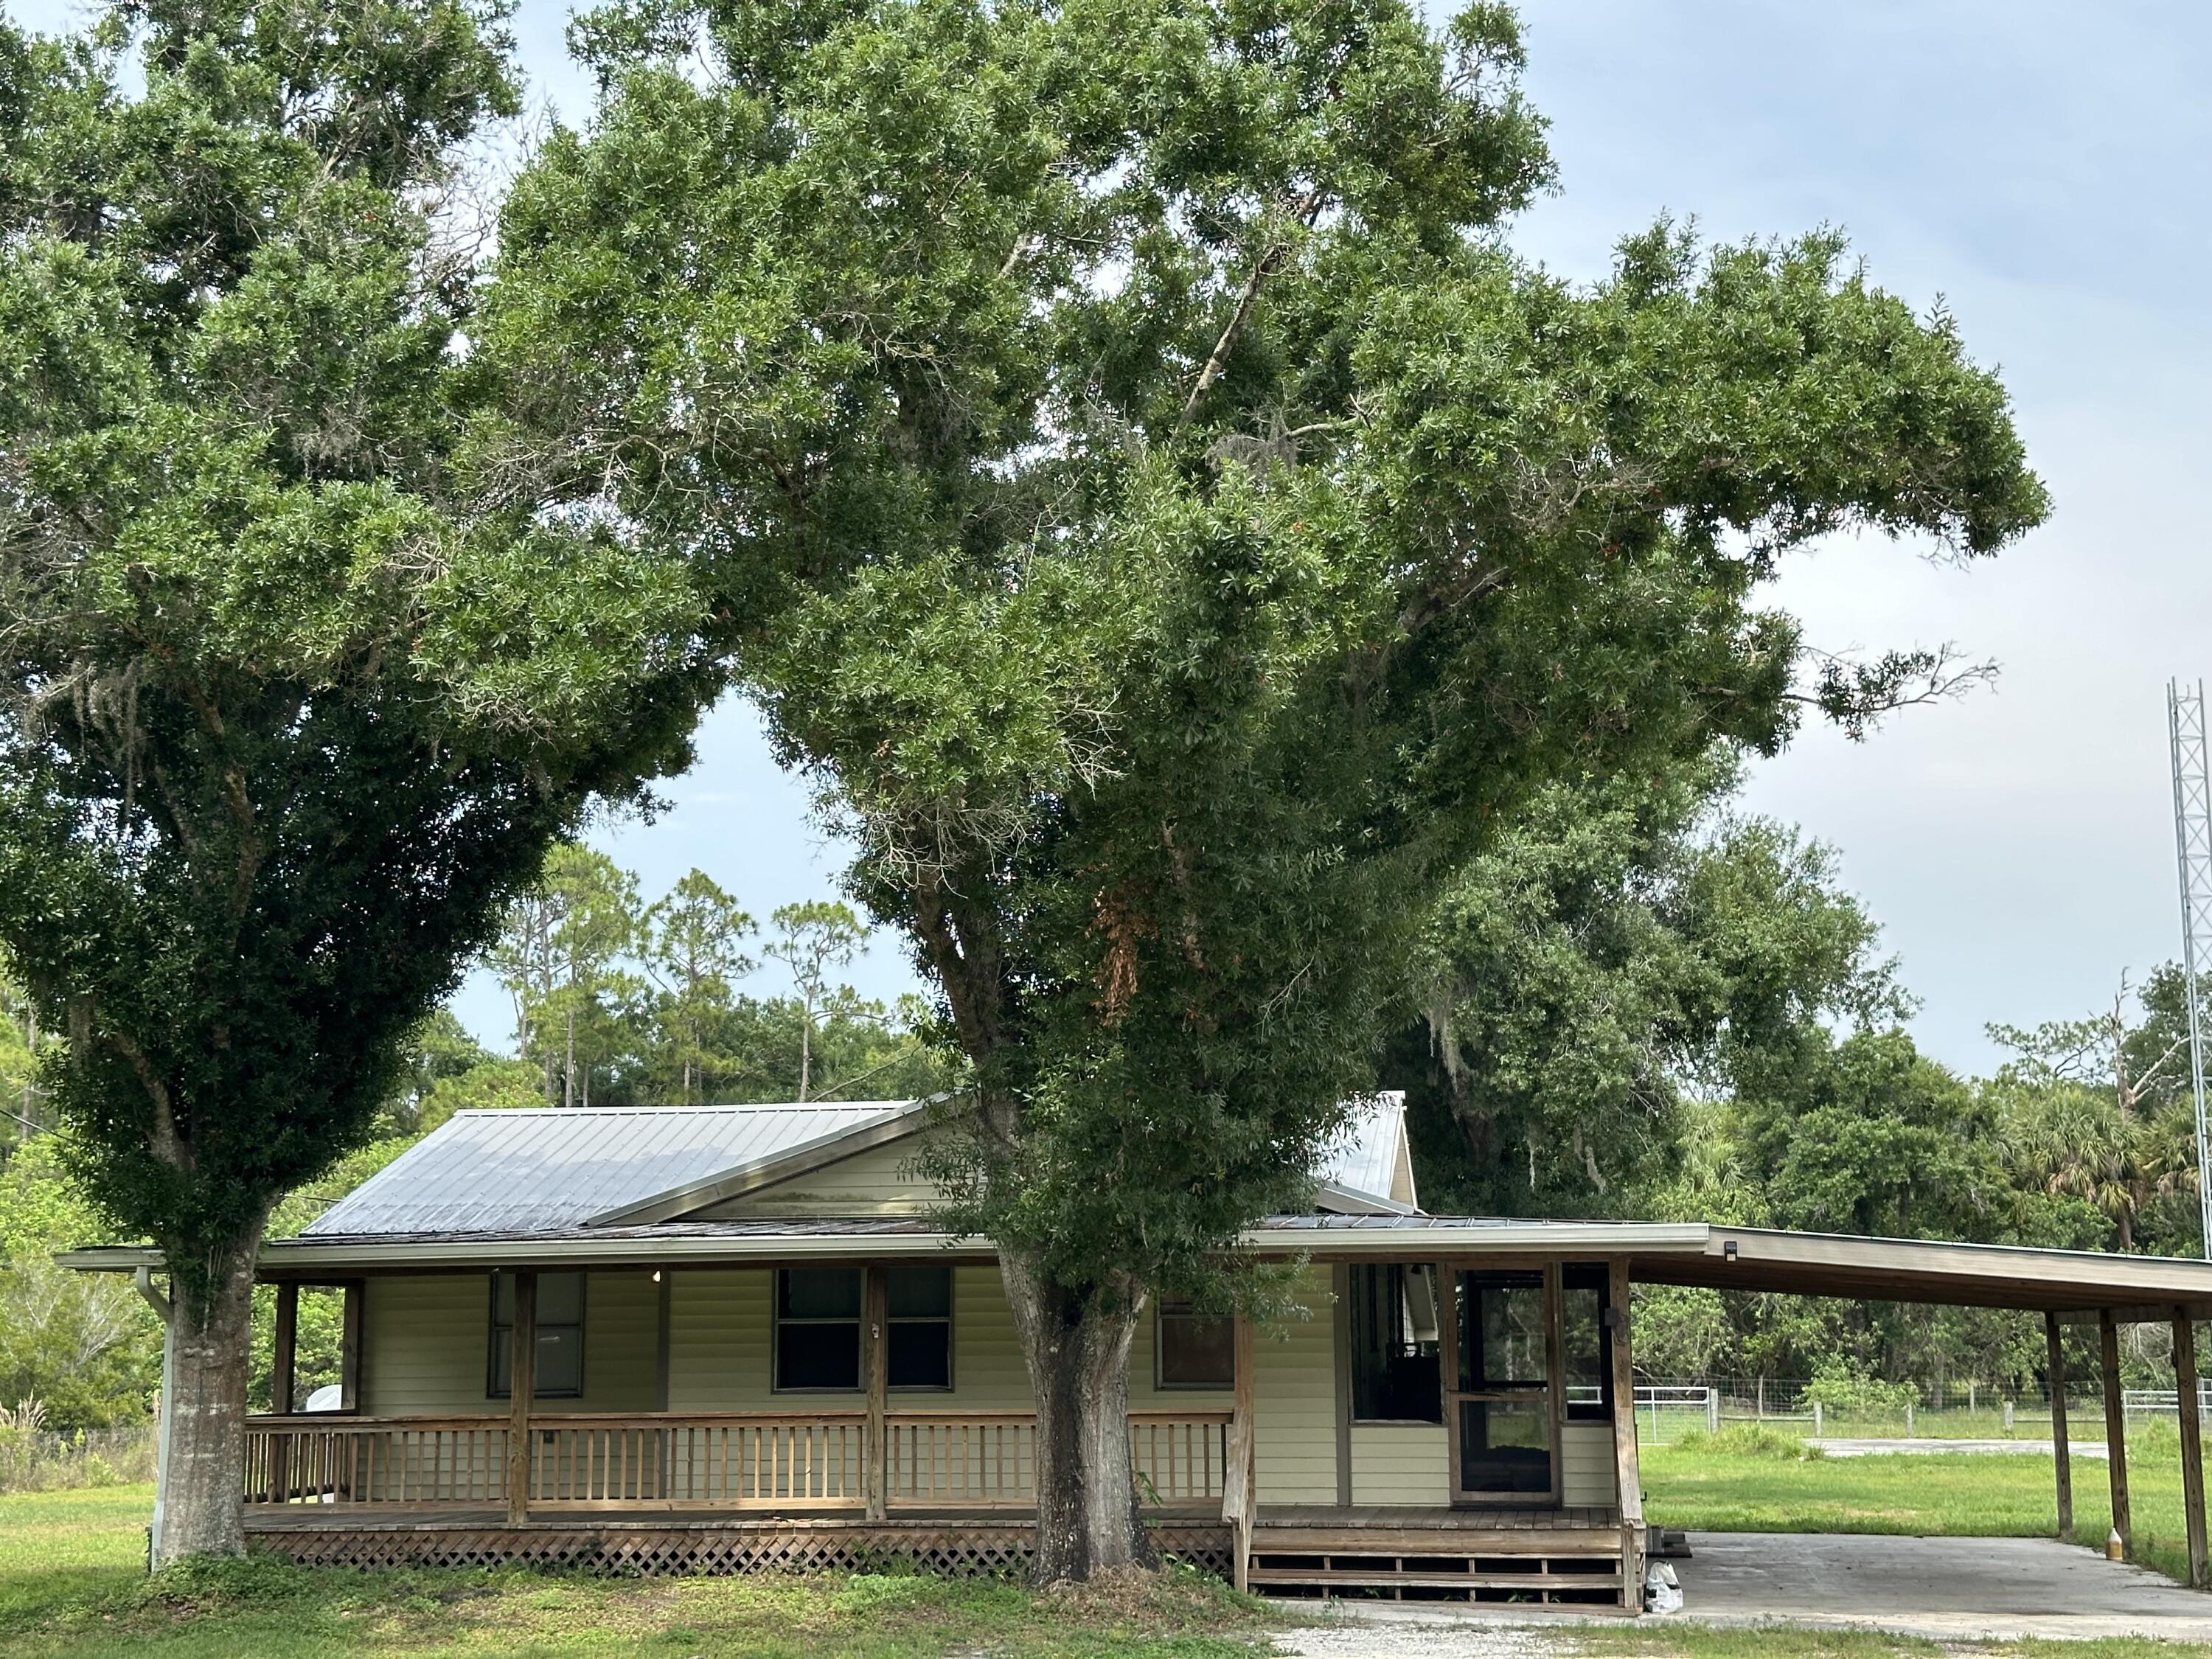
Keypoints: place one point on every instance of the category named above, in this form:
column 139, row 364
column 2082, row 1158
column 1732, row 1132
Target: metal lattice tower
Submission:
column 2192, row 841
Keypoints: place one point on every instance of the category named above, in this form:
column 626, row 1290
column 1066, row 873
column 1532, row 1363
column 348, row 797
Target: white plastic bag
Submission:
column 1662, row 1592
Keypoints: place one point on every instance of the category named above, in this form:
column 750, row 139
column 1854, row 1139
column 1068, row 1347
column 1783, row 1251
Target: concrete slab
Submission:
column 1947, row 1589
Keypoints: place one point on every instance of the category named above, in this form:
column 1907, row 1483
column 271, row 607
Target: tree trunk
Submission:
column 1088, row 1518
column 203, row 1496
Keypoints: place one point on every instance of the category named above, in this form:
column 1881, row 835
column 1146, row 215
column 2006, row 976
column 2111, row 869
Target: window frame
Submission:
column 949, row 1319
column 1438, row 1282
column 1463, row 1390
column 1583, row 1276
column 1163, row 1309
column 497, row 1342
column 776, row 1321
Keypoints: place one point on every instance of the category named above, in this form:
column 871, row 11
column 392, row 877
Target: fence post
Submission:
column 2008, row 1417
column 1817, row 1429
column 1909, row 1435
column 1712, row 1411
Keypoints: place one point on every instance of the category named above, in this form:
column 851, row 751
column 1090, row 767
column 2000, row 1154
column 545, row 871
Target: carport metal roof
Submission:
column 2065, row 1282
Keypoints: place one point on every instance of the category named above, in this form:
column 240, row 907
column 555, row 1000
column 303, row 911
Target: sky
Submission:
column 2039, row 169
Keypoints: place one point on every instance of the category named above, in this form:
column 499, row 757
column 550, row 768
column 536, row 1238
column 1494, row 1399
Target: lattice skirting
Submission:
column 957, row 1548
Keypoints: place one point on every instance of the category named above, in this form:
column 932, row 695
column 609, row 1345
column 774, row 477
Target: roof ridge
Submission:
column 703, row 1106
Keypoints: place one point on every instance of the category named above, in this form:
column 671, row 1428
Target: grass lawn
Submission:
column 72, row 1584
column 1701, row 1487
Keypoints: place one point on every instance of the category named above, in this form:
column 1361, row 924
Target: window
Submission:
column 1586, row 1345
column 559, row 1374
column 817, row 1328
column 1193, row 1349
column 1395, row 1375
column 1501, row 1332
column 918, row 1338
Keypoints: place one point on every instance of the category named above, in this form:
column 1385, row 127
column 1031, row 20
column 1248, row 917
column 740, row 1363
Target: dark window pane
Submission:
column 1501, row 1325
column 1504, row 1446
column 1395, row 1374
column 819, row 1293
column 919, row 1355
column 559, row 1366
column 1195, row 1351
column 818, row 1356
column 560, row 1361
column 560, row 1298
column 1585, row 1345
column 919, row 1292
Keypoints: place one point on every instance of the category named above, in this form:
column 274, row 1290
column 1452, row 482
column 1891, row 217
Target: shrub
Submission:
column 1749, row 1440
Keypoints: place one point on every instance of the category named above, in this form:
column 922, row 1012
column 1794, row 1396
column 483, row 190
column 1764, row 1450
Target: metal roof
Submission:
column 2067, row 1283
column 545, row 1168
column 1365, row 1155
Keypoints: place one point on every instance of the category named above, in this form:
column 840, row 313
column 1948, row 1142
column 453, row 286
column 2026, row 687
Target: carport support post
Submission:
column 1628, row 1481
column 2061, row 1459
column 2116, row 1430
column 522, row 1383
column 2192, row 1446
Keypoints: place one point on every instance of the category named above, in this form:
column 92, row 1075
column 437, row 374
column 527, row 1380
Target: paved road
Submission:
column 1836, row 1447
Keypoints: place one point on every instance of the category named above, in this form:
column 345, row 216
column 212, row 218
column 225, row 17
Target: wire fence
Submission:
column 1666, row 1409
column 37, row 1460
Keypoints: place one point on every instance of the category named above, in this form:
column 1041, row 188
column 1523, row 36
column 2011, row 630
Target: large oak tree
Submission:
column 297, row 679
column 1181, row 528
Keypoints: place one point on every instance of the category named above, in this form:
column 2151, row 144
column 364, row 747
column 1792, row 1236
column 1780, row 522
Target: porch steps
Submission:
column 1553, row 1557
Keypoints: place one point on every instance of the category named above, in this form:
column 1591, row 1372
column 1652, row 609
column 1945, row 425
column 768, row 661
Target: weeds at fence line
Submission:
column 38, row 1460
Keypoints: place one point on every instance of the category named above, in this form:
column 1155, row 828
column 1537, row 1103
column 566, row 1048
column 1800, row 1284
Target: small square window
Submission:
column 1195, row 1350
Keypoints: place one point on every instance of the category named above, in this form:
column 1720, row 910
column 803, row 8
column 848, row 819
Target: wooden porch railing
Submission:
column 773, row 1462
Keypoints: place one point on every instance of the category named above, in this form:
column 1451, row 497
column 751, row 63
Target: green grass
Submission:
column 1711, row 1488
column 72, row 1584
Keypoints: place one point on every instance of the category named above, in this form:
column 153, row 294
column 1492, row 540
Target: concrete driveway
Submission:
column 1946, row 1590
column 1996, row 1588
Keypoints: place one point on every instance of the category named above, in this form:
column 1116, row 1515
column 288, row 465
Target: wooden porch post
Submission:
column 2192, row 1446
column 875, row 1366
column 1628, row 1479
column 522, row 1383
column 283, row 1374
column 355, row 1292
column 1341, row 1365
column 2116, row 1430
column 2061, row 1458
column 282, row 1366
column 1240, row 1487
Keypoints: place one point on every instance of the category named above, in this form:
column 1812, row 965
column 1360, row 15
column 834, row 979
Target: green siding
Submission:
column 1294, row 1400
column 426, row 1344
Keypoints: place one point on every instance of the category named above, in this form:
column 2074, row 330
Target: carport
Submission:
column 2065, row 1287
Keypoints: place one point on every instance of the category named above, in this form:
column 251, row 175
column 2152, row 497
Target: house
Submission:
column 724, row 1338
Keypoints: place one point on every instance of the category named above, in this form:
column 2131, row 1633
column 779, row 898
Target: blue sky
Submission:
column 2042, row 169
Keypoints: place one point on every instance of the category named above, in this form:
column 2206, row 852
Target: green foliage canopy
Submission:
column 295, row 686
column 1209, row 527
